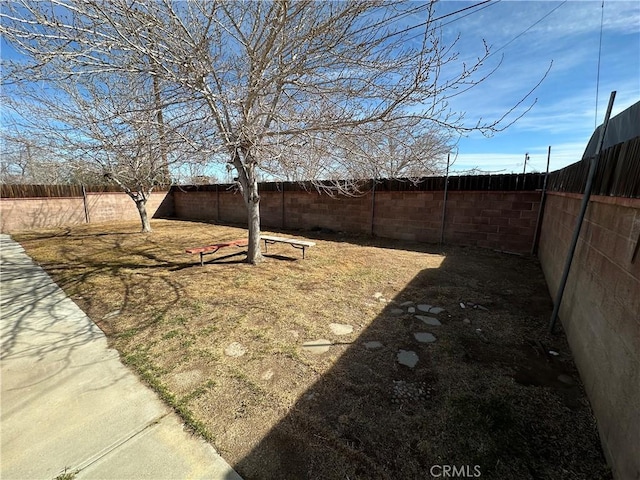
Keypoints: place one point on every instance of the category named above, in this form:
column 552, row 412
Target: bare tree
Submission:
column 102, row 128
column 25, row 160
column 270, row 77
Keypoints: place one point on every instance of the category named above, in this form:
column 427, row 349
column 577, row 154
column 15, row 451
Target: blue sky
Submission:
column 565, row 113
column 527, row 36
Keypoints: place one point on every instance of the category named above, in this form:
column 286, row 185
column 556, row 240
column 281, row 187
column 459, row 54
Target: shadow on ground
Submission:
column 494, row 401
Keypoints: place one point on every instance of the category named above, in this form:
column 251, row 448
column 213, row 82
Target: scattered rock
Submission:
column 481, row 307
column 397, row 311
column 373, row 345
column 425, row 337
column 411, row 310
column 317, row 346
column 406, row 393
column 436, row 310
column 109, row 315
column 408, row 358
column 462, row 305
column 467, row 321
column 268, row 375
column 481, row 335
column 377, row 295
column 406, row 304
column 382, row 300
column 429, row 320
column 235, row 350
column 340, row 328
column 554, row 353
column 424, row 307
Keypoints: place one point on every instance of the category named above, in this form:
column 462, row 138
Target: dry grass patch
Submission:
column 492, row 400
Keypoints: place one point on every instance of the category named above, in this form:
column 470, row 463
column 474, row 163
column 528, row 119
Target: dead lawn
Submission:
column 494, row 400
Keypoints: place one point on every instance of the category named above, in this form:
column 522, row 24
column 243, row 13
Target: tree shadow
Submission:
column 370, row 416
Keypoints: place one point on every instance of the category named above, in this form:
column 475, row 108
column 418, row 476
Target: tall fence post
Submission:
column 217, row 203
column 86, row 207
column 373, row 204
column 583, row 211
column 536, row 234
column 282, row 197
column 444, row 200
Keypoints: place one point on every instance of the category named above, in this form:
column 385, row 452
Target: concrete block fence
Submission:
column 18, row 214
column 600, row 312
column 498, row 220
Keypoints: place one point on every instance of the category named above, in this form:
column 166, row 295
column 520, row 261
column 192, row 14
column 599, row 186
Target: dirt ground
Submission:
column 487, row 397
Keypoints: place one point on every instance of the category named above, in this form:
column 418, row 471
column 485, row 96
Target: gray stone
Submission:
column 425, row 337
column 462, row 305
column 340, row 329
column 408, row 358
column 373, row 345
column 317, row 346
column 429, row 320
column 467, row 321
column 405, row 393
column 411, row 310
column 235, row 350
column 424, row 308
column 482, row 335
column 436, row 310
column 396, row 311
column 406, row 304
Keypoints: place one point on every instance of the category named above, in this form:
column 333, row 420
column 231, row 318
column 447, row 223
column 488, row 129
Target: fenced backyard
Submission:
column 224, row 344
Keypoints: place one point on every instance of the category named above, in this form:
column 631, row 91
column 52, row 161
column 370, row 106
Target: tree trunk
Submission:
column 254, row 254
column 249, row 183
column 144, row 218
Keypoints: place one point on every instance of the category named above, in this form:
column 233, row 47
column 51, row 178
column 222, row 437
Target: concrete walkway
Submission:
column 67, row 402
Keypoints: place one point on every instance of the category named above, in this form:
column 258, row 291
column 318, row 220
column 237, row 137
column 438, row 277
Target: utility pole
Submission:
column 526, row 159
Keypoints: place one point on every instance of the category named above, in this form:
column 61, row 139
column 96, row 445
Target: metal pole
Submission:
column 283, row 222
column 583, row 211
column 444, row 201
column 218, row 216
column 536, row 235
column 526, row 158
column 86, row 207
column 373, row 204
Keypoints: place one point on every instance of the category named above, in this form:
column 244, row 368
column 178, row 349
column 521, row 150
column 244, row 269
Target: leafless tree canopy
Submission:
column 300, row 89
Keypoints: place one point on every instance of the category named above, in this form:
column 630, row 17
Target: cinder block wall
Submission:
column 499, row 220
column 17, row 214
column 600, row 312
column 29, row 213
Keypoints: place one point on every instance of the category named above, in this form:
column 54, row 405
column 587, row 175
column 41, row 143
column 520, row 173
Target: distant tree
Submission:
column 24, row 160
column 267, row 78
column 101, row 128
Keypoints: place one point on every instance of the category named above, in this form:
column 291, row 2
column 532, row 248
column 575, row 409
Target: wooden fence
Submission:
column 508, row 182
column 56, row 191
column 617, row 173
